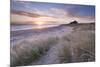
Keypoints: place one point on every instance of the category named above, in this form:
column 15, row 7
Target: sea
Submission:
column 18, row 27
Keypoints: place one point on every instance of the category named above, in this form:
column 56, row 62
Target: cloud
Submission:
column 55, row 15
column 52, row 12
column 24, row 13
column 17, row 18
column 58, row 12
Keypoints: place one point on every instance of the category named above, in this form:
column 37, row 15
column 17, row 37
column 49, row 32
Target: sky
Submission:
column 50, row 13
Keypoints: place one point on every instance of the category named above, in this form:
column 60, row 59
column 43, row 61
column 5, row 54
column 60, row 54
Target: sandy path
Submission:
column 52, row 56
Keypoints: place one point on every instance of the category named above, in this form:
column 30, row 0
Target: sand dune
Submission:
column 64, row 44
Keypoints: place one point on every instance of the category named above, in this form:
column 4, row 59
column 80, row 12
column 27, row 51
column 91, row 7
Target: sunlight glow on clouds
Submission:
column 57, row 14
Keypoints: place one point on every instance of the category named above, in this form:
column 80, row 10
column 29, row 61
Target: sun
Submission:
column 39, row 23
